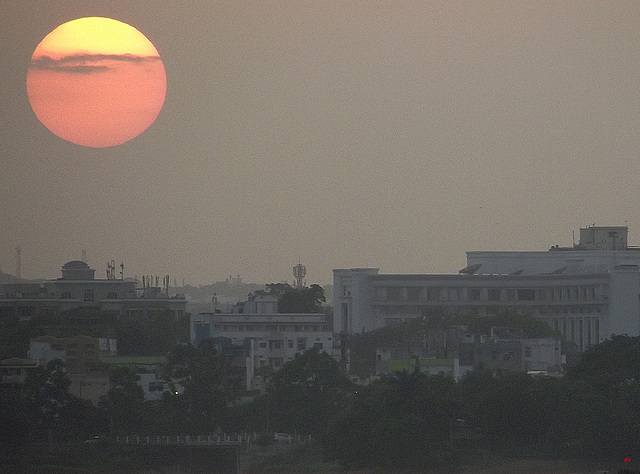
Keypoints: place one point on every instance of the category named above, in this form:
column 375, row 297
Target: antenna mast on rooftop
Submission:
column 18, row 265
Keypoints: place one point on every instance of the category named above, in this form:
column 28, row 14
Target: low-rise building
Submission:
column 148, row 371
column 14, row 371
column 78, row 288
column 81, row 354
column 464, row 351
column 269, row 338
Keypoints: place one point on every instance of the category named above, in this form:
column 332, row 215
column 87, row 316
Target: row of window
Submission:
column 273, row 327
column 416, row 310
column 88, row 295
column 300, row 344
column 437, row 294
column 60, row 347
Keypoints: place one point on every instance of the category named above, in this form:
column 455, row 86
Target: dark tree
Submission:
column 295, row 300
column 610, row 363
column 124, row 402
column 307, row 393
column 399, row 423
column 211, row 382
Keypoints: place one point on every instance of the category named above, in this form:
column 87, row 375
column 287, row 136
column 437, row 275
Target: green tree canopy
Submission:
column 295, row 300
column 306, row 393
column 609, row 363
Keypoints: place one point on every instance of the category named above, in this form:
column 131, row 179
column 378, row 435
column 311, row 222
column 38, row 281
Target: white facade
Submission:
column 585, row 308
column 587, row 292
column 269, row 339
column 541, row 355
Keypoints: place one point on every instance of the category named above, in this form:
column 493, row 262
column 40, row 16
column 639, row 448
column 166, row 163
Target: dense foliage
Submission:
column 405, row 421
column 42, row 410
column 308, row 299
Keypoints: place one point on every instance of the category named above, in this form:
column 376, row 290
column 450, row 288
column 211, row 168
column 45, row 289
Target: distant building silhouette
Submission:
column 79, row 289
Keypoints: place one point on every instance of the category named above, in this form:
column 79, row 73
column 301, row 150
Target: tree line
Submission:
column 407, row 420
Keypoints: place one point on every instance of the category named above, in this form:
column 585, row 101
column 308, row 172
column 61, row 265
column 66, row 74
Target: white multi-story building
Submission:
column 586, row 292
column 269, row 338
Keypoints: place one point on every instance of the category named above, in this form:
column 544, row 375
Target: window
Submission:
column 112, row 295
column 526, row 294
column 413, row 293
column 393, row 293
column 433, row 294
column 474, row 294
column 290, row 343
column 263, row 345
column 88, row 295
column 302, row 343
column 66, row 295
column 573, row 330
column 454, row 294
column 318, row 345
column 275, row 344
column 527, row 351
column 493, row 294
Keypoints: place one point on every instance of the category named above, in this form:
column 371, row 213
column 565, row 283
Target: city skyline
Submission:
column 396, row 135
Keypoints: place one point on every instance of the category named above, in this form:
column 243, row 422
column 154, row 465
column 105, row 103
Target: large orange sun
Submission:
column 96, row 82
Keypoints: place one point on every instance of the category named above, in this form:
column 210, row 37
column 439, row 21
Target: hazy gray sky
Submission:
column 339, row 134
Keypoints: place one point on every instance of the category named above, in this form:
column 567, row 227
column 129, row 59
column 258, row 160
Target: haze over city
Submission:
column 336, row 134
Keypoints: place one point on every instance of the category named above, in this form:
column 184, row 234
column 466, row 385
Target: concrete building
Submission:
column 268, row 337
column 586, row 292
column 14, row 371
column 512, row 355
column 455, row 351
column 81, row 354
column 78, row 288
column 148, row 370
